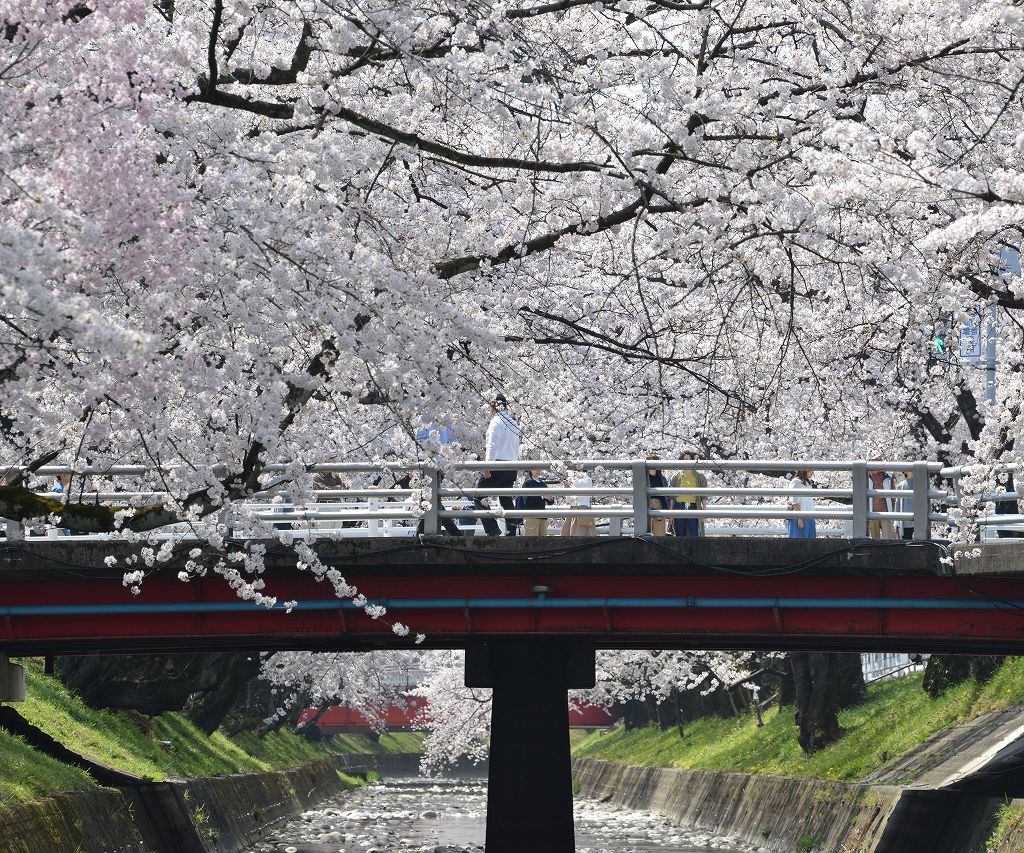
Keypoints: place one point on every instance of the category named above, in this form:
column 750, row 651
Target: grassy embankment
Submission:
column 897, row 716
column 167, row 746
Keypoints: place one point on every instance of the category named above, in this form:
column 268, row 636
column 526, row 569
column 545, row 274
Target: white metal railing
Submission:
column 743, row 497
column 877, row 666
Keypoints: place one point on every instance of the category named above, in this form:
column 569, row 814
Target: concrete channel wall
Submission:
column 218, row 814
column 769, row 811
column 95, row 820
column 787, row 815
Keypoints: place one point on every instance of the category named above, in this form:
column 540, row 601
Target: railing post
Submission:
column 859, row 473
column 373, row 524
column 922, row 505
column 615, row 525
column 641, row 499
column 431, row 517
column 956, row 494
column 224, row 521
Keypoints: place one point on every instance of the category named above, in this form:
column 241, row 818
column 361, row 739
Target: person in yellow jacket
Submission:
column 688, row 479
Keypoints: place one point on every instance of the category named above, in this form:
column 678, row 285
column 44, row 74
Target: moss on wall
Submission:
column 86, row 821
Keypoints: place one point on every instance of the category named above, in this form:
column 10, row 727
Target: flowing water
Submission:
column 447, row 816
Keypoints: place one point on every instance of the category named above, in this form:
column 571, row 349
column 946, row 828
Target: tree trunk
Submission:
column 208, row 710
column 206, row 686
column 787, row 687
column 824, row 683
column 945, row 671
column 634, row 714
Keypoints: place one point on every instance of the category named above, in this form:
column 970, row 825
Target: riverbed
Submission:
column 447, row 816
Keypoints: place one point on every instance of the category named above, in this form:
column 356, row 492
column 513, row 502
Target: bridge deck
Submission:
column 705, row 593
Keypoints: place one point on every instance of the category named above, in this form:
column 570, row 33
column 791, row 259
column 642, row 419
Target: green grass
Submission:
column 120, row 740
column 132, row 743
column 897, row 716
column 389, row 743
column 28, row 774
column 349, row 783
column 283, row 748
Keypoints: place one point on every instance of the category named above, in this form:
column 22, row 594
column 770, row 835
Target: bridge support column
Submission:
column 529, row 794
column 12, row 681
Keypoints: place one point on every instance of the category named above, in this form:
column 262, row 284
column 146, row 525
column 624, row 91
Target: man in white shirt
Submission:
column 503, row 433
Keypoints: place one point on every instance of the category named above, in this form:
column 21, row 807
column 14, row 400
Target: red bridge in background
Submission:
column 338, row 719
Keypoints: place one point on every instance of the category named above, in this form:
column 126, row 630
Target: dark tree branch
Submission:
column 277, row 76
column 211, row 48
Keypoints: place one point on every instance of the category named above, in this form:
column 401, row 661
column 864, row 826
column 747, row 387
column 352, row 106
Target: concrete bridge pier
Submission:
column 529, row 793
column 12, row 681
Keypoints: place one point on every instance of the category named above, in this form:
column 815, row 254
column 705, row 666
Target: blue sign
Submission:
column 970, row 340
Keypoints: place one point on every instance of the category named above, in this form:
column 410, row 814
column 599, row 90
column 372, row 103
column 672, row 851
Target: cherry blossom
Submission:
column 237, row 232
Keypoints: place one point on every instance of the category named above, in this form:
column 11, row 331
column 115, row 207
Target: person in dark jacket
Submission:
column 657, row 480
column 534, row 526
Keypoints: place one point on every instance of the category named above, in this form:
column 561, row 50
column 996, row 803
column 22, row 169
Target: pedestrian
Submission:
column 880, row 528
column 502, row 445
column 801, row 528
column 907, row 505
column 62, row 486
column 3, row 521
column 534, row 526
column 580, row 525
column 688, row 478
column 656, row 480
column 432, row 436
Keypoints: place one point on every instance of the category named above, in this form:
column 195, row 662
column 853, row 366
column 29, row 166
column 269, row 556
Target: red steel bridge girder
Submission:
column 693, row 611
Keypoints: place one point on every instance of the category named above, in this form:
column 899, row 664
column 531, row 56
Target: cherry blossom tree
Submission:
column 457, row 718
column 368, row 682
column 239, row 232
column 656, row 676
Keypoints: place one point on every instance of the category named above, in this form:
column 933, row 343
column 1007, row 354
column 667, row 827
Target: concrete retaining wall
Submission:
column 391, row 764
column 768, row 811
column 231, row 812
column 96, row 820
column 940, row 821
column 798, row 814
column 219, row 814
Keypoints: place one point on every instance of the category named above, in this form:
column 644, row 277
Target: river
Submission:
column 447, row 816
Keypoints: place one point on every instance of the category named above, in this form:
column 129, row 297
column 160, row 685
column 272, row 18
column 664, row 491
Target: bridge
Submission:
column 532, row 611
